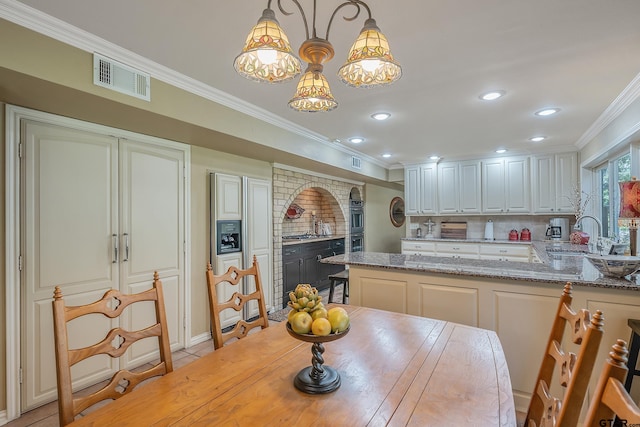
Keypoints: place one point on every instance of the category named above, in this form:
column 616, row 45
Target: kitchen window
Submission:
column 609, row 175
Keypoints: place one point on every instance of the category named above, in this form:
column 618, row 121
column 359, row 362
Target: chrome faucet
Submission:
column 599, row 246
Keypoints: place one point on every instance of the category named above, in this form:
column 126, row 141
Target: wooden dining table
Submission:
column 395, row 370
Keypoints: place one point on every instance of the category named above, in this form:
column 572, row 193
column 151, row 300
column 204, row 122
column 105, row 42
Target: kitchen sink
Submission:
column 299, row 237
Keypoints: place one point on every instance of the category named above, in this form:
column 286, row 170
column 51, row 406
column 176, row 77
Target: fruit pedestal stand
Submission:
column 317, row 379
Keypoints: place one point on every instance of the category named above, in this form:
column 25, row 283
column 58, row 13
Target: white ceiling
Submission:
column 578, row 55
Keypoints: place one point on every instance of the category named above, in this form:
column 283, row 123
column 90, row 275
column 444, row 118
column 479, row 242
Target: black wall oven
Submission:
column 357, row 242
column 356, row 214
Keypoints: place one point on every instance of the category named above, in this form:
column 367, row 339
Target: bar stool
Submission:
column 341, row 277
column 634, row 347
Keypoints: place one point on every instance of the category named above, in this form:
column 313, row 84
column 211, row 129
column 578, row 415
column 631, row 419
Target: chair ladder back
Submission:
column 574, row 370
column 610, row 398
column 547, row 366
column 111, row 305
column 233, row 276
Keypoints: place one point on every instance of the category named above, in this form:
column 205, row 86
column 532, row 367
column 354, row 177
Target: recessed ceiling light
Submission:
column 356, row 140
column 501, row 150
column 537, row 138
column 435, row 157
column 547, row 112
column 381, row 116
column 493, row 95
column 386, row 155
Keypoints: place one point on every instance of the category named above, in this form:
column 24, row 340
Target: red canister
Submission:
column 513, row 235
column 525, row 234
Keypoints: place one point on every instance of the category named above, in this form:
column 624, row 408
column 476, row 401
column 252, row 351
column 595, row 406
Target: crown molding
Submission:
column 622, row 101
column 40, row 22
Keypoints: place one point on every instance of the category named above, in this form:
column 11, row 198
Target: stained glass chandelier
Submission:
column 267, row 57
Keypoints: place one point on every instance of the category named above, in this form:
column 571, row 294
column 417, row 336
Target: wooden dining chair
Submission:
column 574, row 370
column 237, row 302
column 610, row 399
column 111, row 305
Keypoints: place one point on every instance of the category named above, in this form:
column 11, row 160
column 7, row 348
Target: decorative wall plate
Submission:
column 294, row 211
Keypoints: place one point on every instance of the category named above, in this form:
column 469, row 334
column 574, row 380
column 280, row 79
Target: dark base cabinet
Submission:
column 301, row 264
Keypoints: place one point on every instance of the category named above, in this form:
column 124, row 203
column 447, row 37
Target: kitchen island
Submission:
column 518, row 300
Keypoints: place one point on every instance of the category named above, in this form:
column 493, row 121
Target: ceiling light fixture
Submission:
column 380, row 116
column 434, row 157
column 386, row 155
column 501, row 150
column 547, row 112
column 493, row 95
column 356, row 140
column 537, row 138
column 267, row 57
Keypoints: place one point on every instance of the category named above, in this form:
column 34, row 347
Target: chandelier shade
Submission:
column 313, row 93
column 266, row 55
column 370, row 62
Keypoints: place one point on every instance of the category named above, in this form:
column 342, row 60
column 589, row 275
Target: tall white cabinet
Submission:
column 100, row 213
column 249, row 200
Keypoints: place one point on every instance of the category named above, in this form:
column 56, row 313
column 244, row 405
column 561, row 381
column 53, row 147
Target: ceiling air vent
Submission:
column 356, row 162
column 122, row 78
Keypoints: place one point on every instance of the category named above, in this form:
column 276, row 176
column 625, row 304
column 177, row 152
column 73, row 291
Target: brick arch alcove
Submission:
column 328, row 197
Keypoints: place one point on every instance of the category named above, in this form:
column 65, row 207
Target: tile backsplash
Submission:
column 537, row 225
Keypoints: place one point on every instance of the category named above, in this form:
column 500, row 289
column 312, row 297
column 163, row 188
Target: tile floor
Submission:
column 47, row 415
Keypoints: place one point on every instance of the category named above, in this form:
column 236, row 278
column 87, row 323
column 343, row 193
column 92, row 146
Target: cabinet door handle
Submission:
column 126, row 247
column 115, row 248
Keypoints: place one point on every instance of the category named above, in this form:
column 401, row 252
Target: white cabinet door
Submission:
column 412, row 190
column 448, row 184
column 470, row 187
column 428, row 189
column 229, row 316
column 71, row 214
column 228, row 197
column 493, row 186
column 543, row 184
column 505, row 185
column 258, row 238
column 517, row 185
column 152, row 236
column 100, row 214
column 566, row 181
column 554, row 178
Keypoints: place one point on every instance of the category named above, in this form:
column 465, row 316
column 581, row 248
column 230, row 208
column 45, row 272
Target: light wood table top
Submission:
column 395, row 370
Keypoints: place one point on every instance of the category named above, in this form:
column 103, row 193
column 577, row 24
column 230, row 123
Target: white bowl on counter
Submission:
column 614, row 265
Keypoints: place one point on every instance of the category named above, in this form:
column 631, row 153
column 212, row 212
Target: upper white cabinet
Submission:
column 506, row 185
column 554, row 177
column 509, row 185
column 459, row 187
column 421, row 189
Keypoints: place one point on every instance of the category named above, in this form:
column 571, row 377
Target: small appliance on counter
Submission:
column 419, row 232
column 513, row 235
column 525, row 235
column 558, row 229
column 488, row 230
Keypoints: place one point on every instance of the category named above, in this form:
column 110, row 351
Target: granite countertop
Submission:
column 307, row 239
column 561, row 263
